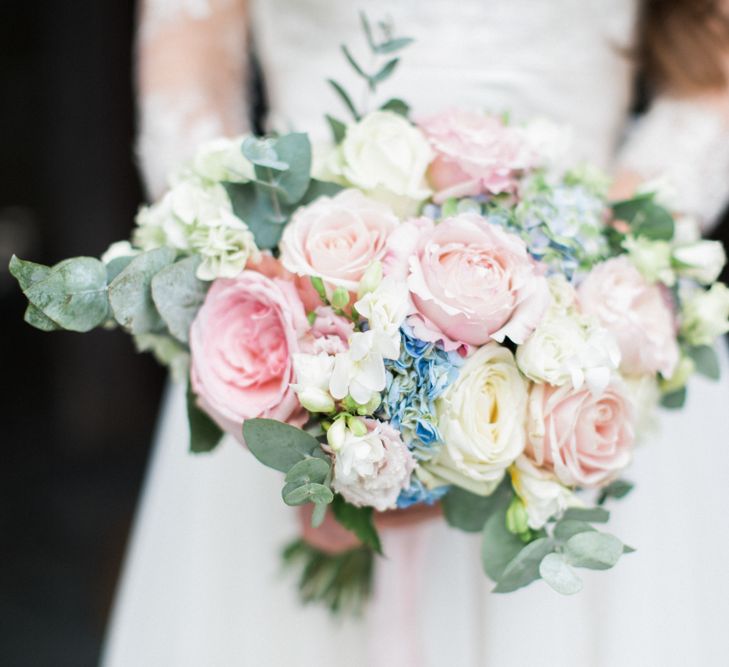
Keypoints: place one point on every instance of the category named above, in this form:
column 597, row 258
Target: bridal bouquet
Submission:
column 427, row 310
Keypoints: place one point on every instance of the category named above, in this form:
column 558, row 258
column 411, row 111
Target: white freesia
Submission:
column 370, row 469
column 651, row 258
column 385, row 309
column 705, row 314
column 481, row 417
column 360, row 371
column 387, row 157
column 313, row 373
column 703, row 260
column 117, row 250
column 542, row 495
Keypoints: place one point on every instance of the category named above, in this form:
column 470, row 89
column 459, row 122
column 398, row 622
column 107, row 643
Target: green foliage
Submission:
column 178, row 294
column 705, row 360
column 359, row 520
column 468, row 511
column 278, row 445
column 593, row 550
column 300, row 494
column 566, row 528
column 646, row 218
column 674, row 400
column 524, row 567
column 338, row 128
column 555, row 570
column 71, row 295
column 130, row 293
column 593, row 514
column 617, row 489
column 396, row 106
column 205, row 434
column 499, row 546
column 341, row 582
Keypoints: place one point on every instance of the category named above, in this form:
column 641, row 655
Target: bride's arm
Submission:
column 191, row 79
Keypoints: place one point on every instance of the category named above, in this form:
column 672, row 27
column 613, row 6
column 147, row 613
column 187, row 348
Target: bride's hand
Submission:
column 332, row 538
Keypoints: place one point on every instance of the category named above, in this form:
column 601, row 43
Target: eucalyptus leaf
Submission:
column 359, row 520
column 130, row 293
column 307, row 471
column 566, row 528
column 367, row 29
column 278, row 445
column 385, row 73
column 592, row 514
column 555, row 570
column 468, row 511
column 318, row 515
column 346, row 100
column 524, row 567
column 178, row 294
column 257, row 209
column 318, row 494
column 205, row 434
column 295, row 150
column 355, row 65
column 706, row 361
column 320, row 189
column 617, row 489
column 116, row 266
column 675, row 400
column 646, row 218
column 338, row 128
column 499, row 547
column 593, row 550
column 262, row 153
column 393, row 45
column 72, row 294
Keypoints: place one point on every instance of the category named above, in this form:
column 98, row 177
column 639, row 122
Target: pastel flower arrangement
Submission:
column 430, row 311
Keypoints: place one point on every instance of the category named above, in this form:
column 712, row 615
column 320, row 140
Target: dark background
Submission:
column 77, row 411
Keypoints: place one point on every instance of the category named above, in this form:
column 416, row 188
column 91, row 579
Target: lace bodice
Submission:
column 564, row 59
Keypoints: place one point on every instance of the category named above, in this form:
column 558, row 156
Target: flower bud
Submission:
column 316, row 400
column 370, row 280
column 517, row 520
column 357, row 426
column 340, row 298
column 337, row 434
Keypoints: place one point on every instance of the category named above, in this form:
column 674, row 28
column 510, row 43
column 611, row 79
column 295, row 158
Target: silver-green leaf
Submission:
column 555, row 570
column 278, row 445
column 524, row 568
column 593, row 550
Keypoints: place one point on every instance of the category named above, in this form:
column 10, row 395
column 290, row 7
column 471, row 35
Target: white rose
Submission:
column 222, row 159
column 313, row 373
column 387, row 157
column 482, row 418
column 705, row 314
column 371, row 469
column 569, row 348
column 385, row 309
column 542, row 495
column 703, row 260
column 651, row 258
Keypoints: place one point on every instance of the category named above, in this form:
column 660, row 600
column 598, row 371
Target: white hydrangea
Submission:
column 372, row 464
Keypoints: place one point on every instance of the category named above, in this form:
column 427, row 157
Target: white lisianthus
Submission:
column 117, row 250
column 194, row 218
column 542, row 494
column 481, row 417
column 313, row 373
column 705, row 314
column 385, row 309
column 651, row 258
column 703, row 261
column 372, row 465
column 360, row 371
column 387, row 157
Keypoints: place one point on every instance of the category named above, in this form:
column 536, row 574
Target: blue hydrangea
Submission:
column 418, row 493
column 414, row 381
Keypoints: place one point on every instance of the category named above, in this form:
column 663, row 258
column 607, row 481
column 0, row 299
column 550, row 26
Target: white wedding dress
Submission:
column 203, row 586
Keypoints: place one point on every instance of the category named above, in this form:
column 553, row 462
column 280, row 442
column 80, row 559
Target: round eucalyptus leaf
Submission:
column 307, row 493
column 593, row 550
column 559, row 575
column 566, row 528
column 308, row 470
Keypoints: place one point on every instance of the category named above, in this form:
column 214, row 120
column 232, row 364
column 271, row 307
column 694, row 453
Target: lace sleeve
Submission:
column 684, row 144
column 191, row 80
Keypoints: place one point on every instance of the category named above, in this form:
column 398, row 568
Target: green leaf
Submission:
column 346, row 100
column 566, row 528
column 555, row 570
column 318, row 494
column 396, row 106
column 116, row 266
column 393, row 45
column 70, row 295
column 499, row 547
column 617, row 489
column 278, row 445
column 706, row 361
column 355, row 65
column 592, row 514
column 307, row 471
column 646, row 218
column 338, row 128
column 178, row 294
column 468, row 511
column 524, row 567
column 130, row 293
column 318, row 515
column 674, row 400
column 295, row 150
column 359, row 520
column 262, row 153
column 449, row 208
column 367, row 29
column 205, row 434
column 387, row 69
column 593, row 550
column 318, row 284
column 320, row 189
column 256, row 208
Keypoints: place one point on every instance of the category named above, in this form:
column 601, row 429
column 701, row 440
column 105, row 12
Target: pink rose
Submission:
column 329, row 333
column 585, row 440
column 474, row 281
column 241, row 344
column 337, row 238
column 636, row 312
column 475, row 153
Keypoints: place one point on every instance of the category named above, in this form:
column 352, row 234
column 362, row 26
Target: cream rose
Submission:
column 337, row 238
column 481, row 418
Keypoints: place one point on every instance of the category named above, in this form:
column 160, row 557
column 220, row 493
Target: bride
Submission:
column 202, row 583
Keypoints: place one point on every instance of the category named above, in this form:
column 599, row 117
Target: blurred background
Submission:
column 78, row 412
